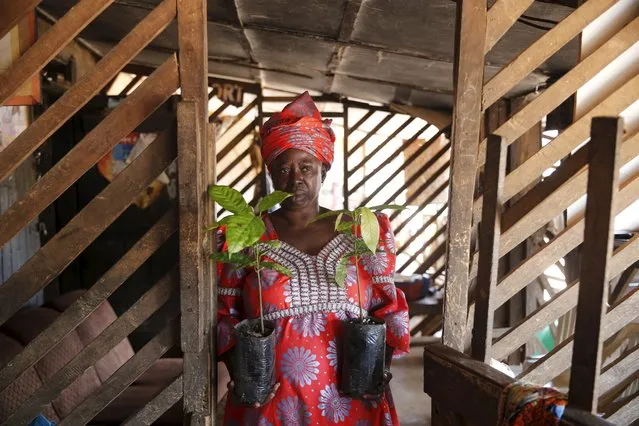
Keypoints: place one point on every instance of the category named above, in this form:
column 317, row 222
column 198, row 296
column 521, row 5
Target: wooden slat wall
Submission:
column 548, row 198
column 100, row 212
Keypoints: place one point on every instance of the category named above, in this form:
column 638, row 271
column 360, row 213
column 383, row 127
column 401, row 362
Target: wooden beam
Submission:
column 546, row 46
column 91, row 300
column 563, row 302
column 135, row 80
column 228, row 148
column 468, row 76
column 554, row 205
column 218, row 111
column 441, row 119
column 130, row 113
column 558, row 360
column 119, row 329
column 13, row 12
column 193, row 199
column 410, row 179
column 86, row 226
column 124, row 376
column 490, row 232
column 566, row 142
column 624, row 283
column 603, row 182
column 451, row 376
column 567, row 240
column 501, row 16
column 370, row 134
column 441, row 188
column 619, row 370
column 628, row 413
column 88, row 86
column 158, row 405
column 392, row 157
column 437, row 254
column 49, row 45
column 380, row 146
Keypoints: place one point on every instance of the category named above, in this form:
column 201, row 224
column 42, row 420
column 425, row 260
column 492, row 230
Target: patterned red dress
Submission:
column 307, row 309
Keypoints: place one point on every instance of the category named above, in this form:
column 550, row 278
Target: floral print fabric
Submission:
column 308, row 314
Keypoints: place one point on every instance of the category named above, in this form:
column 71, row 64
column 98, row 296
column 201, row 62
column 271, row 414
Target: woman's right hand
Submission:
column 231, row 388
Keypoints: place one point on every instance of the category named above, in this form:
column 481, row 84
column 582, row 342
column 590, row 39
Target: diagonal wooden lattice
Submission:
column 45, row 265
column 517, row 204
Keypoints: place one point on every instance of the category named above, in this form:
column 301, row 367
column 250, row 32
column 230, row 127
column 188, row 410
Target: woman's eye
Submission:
column 306, row 169
column 284, row 171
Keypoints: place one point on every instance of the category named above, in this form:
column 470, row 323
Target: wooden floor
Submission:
column 413, row 405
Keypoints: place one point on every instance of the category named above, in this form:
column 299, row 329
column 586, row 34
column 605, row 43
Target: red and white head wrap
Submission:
column 298, row 126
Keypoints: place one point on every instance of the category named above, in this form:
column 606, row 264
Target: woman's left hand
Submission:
column 386, row 380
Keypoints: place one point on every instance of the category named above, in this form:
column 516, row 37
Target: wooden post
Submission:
column 192, row 174
column 345, row 157
column 470, row 35
column 603, row 176
column 490, row 231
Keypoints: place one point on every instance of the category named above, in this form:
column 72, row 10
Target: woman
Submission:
column 297, row 147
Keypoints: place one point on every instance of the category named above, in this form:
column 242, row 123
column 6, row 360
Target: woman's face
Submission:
column 299, row 173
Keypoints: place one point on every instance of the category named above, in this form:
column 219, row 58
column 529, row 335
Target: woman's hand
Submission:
column 385, row 381
column 231, row 387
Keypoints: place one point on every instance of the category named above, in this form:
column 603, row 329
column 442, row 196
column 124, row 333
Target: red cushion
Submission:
column 91, row 328
column 24, row 386
column 25, row 326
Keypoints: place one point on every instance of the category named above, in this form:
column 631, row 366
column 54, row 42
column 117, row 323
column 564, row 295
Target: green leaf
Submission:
column 388, row 207
column 345, row 228
column 328, row 214
column 237, row 238
column 276, row 267
column 370, row 229
column 254, row 230
column 276, row 197
column 340, row 271
column 229, row 198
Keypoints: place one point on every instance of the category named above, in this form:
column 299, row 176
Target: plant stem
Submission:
column 259, row 286
column 359, row 291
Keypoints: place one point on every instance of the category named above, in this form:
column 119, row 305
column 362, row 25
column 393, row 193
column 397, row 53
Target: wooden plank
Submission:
column 130, row 113
column 567, row 141
column 410, row 180
column 568, row 239
column 361, row 121
column 567, row 85
column 559, row 305
column 85, row 227
column 396, row 172
column 380, row 146
column 210, row 274
column 437, row 192
column 218, row 111
column 559, row 200
column 489, row 234
column 628, row 413
column 546, row 46
column 237, row 139
column 119, row 329
column 158, row 405
column 49, row 45
column 13, row 12
column 191, row 256
column 238, row 159
column 619, row 370
column 558, row 360
column 434, row 257
column 603, row 182
column 370, row 134
column 623, row 284
column 468, row 75
column 347, row 133
column 419, row 208
column 89, row 301
column 427, row 244
column 501, row 16
column 86, row 88
column 451, row 376
column 131, row 85
column 124, row 376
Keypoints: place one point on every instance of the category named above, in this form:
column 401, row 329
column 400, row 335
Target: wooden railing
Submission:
column 515, row 204
column 70, row 241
